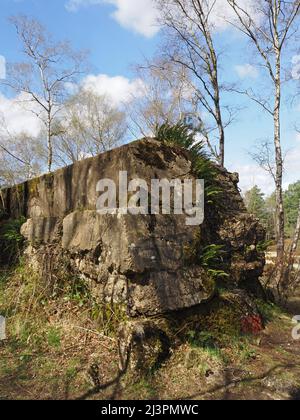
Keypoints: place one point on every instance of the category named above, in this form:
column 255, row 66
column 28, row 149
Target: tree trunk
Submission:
column 222, row 144
column 296, row 238
column 218, row 112
column 49, row 145
column 214, row 77
column 294, row 244
column 287, row 281
column 280, row 222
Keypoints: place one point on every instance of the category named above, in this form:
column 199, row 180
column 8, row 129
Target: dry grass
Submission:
column 58, row 341
column 53, row 340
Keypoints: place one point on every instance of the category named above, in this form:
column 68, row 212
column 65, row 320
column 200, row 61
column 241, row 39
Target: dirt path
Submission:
column 274, row 373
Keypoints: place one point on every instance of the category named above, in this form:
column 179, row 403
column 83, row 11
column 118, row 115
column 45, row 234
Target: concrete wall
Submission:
column 74, row 187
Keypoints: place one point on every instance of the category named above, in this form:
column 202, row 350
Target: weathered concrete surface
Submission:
column 74, row 187
column 143, row 261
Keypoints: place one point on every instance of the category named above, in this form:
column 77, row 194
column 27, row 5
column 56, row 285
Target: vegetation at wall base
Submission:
column 11, row 240
column 57, row 338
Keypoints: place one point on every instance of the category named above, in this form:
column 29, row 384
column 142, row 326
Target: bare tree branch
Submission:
column 43, row 77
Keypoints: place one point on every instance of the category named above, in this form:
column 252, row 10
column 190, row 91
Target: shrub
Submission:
column 11, row 240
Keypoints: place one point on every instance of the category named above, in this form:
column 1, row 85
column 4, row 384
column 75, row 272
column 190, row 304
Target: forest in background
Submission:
column 263, row 207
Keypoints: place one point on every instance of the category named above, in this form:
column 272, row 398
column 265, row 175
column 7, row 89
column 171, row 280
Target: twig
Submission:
column 96, row 333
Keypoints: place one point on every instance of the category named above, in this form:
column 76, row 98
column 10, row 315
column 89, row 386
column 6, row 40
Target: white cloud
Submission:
column 139, row 16
column 247, row 70
column 221, row 14
column 291, row 164
column 118, row 89
column 2, row 67
column 16, row 118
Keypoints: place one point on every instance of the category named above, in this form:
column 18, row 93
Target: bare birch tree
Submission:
column 270, row 33
column 189, row 32
column 44, row 75
column 20, row 159
column 296, row 236
column 90, row 125
column 263, row 155
column 167, row 97
column 21, row 156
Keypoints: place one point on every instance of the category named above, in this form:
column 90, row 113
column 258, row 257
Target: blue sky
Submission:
column 118, row 34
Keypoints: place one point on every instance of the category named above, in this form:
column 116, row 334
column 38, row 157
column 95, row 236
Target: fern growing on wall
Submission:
column 183, row 136
column 211, row 256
